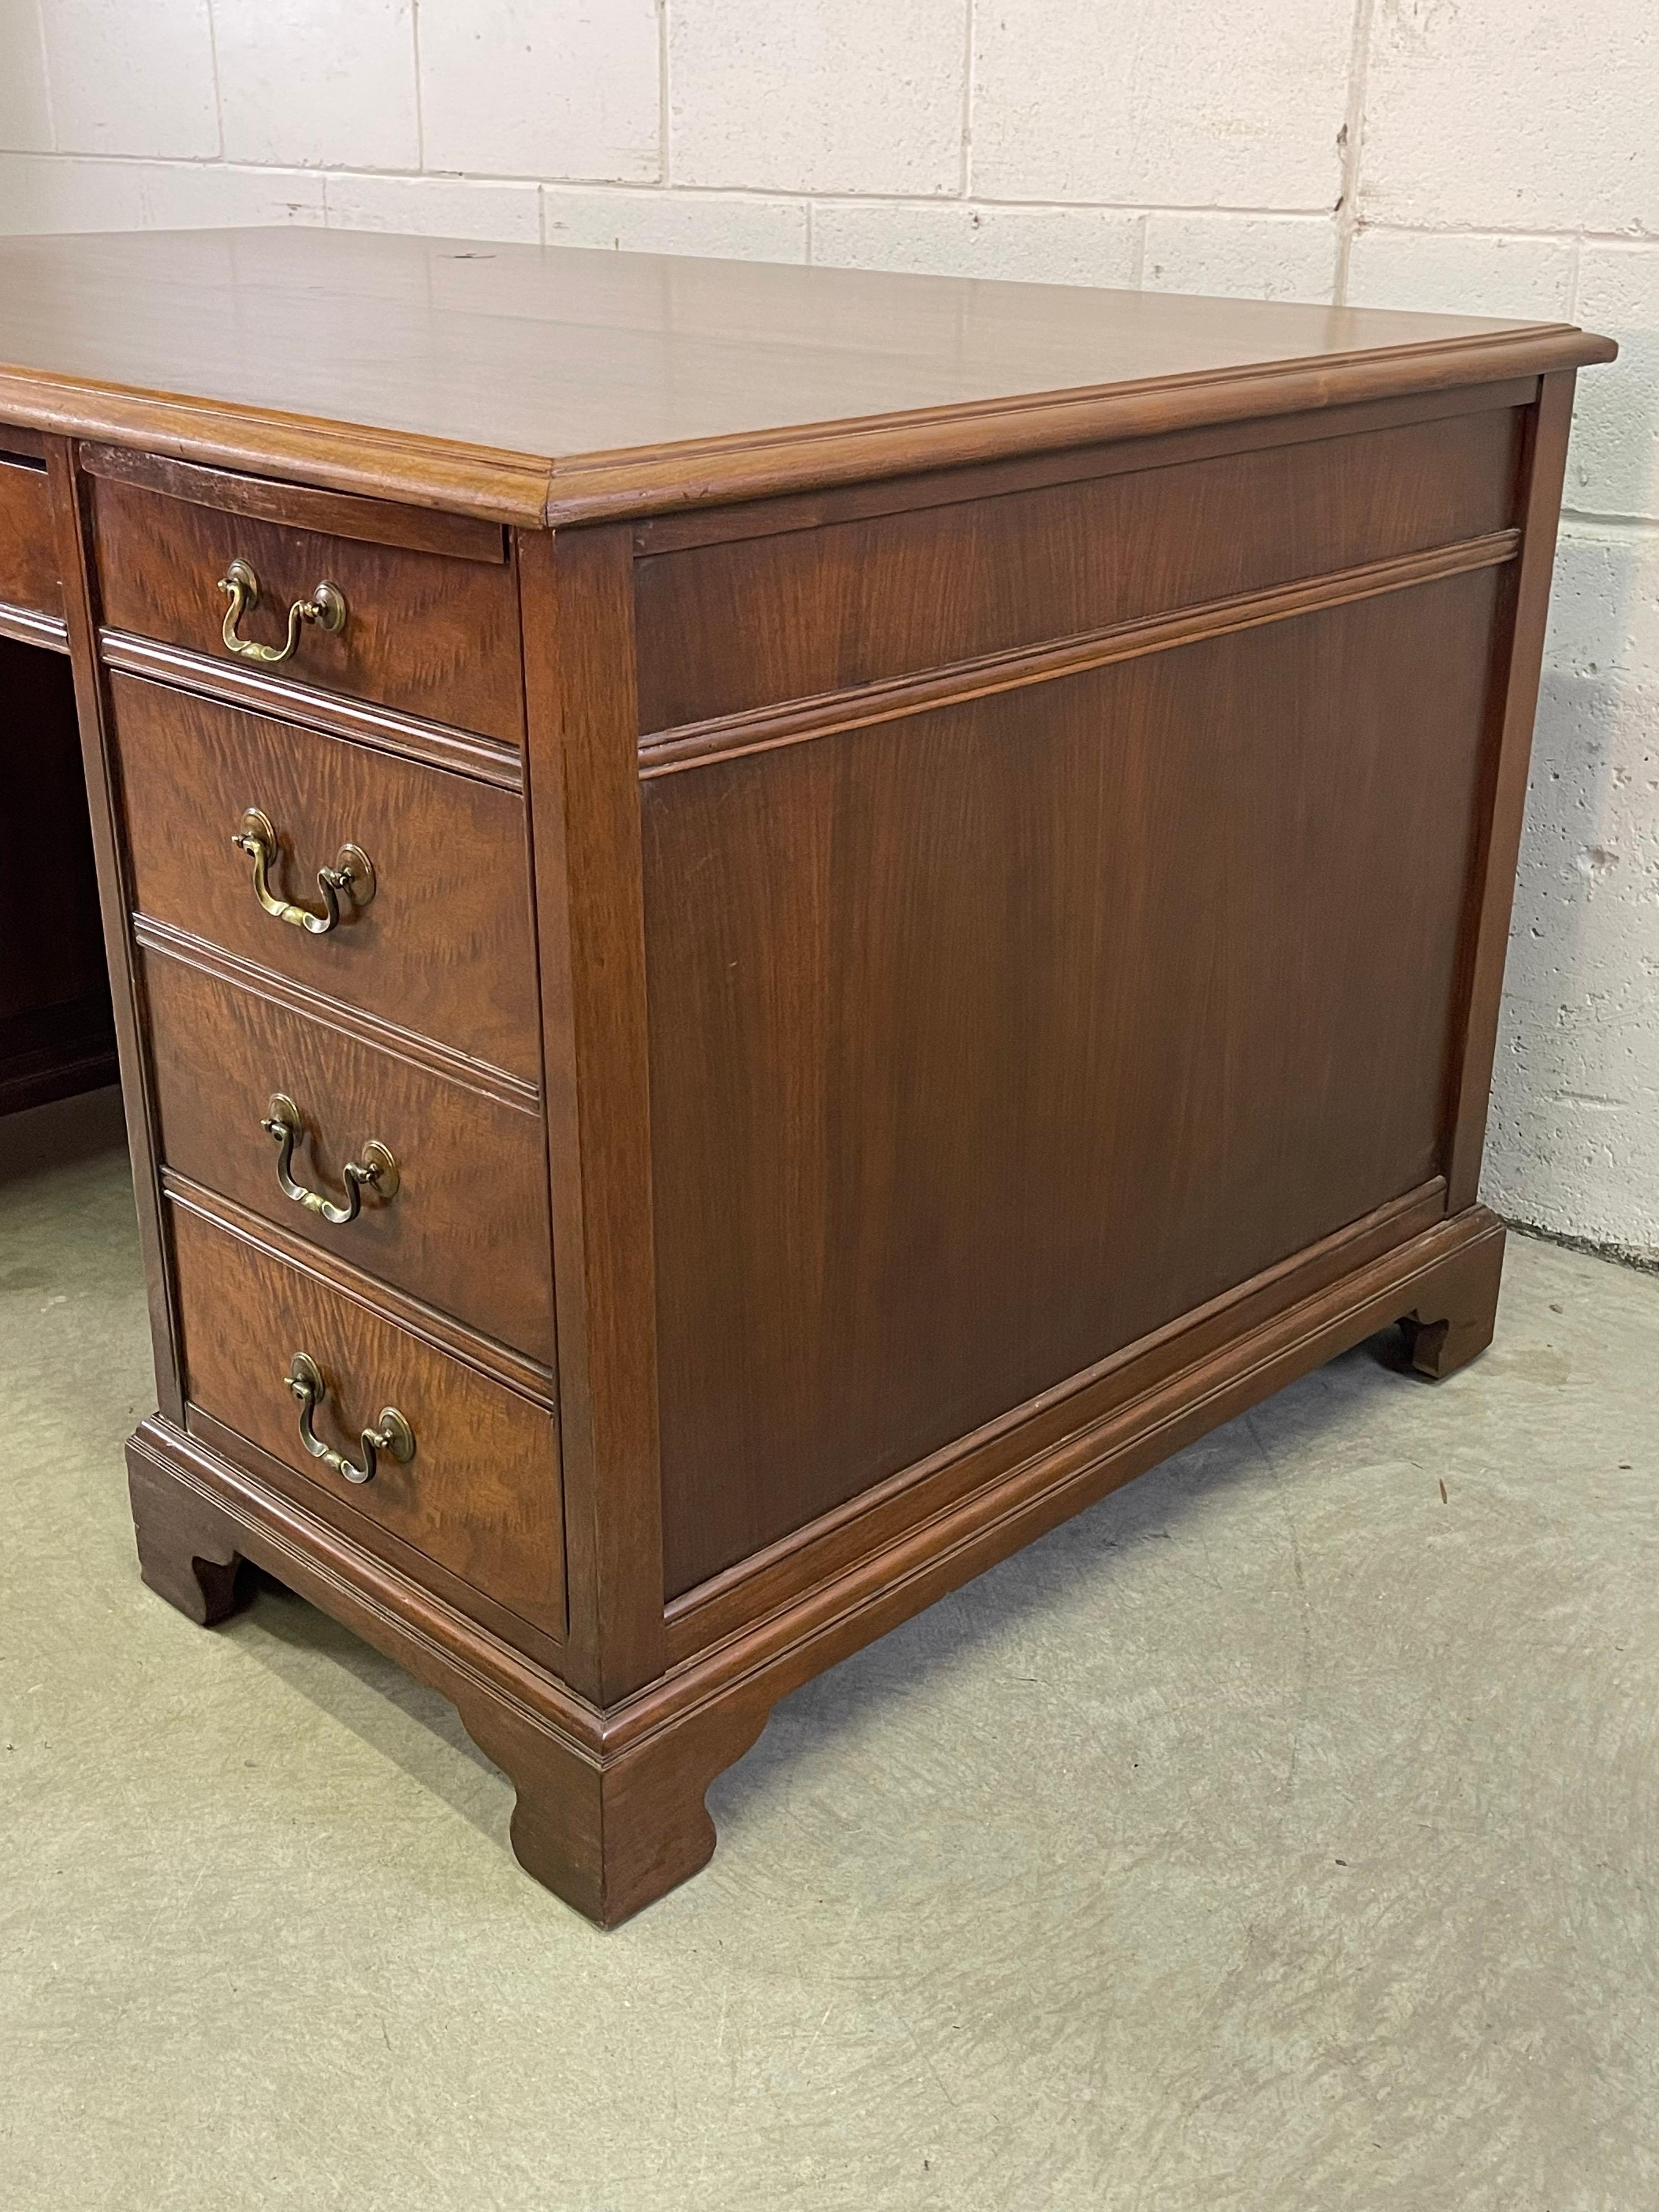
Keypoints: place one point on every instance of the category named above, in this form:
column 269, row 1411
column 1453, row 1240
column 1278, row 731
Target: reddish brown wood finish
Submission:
column 1453, row 1323
column 1497, row 839
column 426, row 632
column 1002, row 893
column 465, row 1230
column 480, row 1495
column 758, row 620
column 585, row 823
column 187, row 1552
column 766, row 729
column 240, row 683
column 610, row 1802
column 375, row 521
column 72, row 537
column 28, row 564
column 444, row 948
column 963, row 1019
column 709, row 523
column 552, row 387
column 1105, row 1400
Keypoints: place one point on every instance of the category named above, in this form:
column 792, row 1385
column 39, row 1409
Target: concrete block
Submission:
column 1512, row 115
column 817, row 96
column 194, row 196
column 437, row 207
column 723, row 226
column 312, row 83
column 1614, row 465
column 1246, row 257
column 1175, row 102
column 1467, row 273
column 1570, row 1138
column 1038, row 245
column 24, row 111
column 48, row 192
column 130, row 79
column 542, row 88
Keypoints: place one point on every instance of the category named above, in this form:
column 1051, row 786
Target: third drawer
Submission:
column 466, row 1229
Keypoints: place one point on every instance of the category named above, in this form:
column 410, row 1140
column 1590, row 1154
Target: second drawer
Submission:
column 442, row 945
column 466, row 1228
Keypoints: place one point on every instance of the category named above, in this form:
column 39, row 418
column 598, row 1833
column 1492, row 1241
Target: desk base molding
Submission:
column 610, row 1812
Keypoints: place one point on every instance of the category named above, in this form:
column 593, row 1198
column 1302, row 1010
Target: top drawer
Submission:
column 28, row 558
column 431, row 615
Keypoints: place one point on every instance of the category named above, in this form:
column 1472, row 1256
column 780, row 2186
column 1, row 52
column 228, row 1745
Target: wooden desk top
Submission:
column 552, row 385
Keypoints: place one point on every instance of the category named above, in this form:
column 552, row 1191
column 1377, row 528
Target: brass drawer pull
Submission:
column 393, row 1436
column 376, row 1170
column 352, row 874
column 326, row 607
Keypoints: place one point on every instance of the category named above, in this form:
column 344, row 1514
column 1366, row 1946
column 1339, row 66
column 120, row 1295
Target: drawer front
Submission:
column 762, row 619
column 28, row 557
column 465, row 1226
column 481, row 1494
column 426, row 632
column 443, row 948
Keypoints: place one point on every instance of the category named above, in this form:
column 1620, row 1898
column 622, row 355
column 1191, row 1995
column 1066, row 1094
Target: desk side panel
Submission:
column 987, row 1039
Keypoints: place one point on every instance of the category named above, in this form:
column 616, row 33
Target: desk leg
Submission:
column 1453, row 1322
column 612, row 1832
column 186, row 1552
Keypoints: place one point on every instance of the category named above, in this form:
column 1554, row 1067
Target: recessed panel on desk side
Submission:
column 1002, row 1035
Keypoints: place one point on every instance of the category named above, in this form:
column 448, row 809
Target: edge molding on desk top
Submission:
column 674, row 383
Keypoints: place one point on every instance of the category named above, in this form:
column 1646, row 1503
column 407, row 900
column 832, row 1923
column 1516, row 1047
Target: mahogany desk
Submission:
column 768, row 926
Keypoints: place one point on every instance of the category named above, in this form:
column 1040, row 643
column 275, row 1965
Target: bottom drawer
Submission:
column 480, row 1493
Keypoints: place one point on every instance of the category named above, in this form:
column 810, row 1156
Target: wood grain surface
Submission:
column 541, row 383
column 467, row 1228
column 1002, row 1035
column 434, row 635
column 29, row 551
column 298, row 507
column 974, row 897
column 759, row 620
column 444, row 948
column 584, row 811
column 610, row 1810
column 481, row 1494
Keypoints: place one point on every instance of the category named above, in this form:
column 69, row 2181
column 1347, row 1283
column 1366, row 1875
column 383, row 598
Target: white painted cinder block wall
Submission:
column 1496, row 156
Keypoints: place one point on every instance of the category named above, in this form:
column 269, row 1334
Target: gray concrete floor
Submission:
column 1279, row 1834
